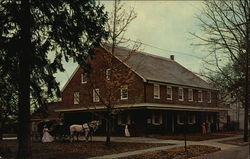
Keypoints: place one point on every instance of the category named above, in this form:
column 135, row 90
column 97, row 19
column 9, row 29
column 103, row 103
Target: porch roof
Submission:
column 153, row 106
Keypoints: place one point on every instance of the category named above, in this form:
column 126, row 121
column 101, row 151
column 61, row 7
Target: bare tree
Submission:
column 225, row 27
column 117, row 78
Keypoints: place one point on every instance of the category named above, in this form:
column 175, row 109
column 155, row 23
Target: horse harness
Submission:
column 85, row 127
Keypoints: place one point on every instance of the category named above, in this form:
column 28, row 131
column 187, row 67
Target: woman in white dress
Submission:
column 126, row 131
column 46, row 136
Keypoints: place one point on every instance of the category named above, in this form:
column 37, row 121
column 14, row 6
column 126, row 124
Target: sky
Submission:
column 161, row 24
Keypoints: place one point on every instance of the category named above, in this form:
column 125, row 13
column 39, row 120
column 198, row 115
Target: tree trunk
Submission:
column 24, row 140
column 246, row 133
column 1, row 129
column 108, row 132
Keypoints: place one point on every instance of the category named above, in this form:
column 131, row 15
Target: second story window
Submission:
column 76, row 97
column 108, row 74
column 180, row 94
column 124, row 92
column 156, row 91
column 169, row 93
column 96, row 97
column 200, row 96
column 209, row 97
column 190, row 94
column 84, row 78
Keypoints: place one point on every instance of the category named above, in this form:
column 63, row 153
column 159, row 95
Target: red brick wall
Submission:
column 163, row 96
column 135, row 86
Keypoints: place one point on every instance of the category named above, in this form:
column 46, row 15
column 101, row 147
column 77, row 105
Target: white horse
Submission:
column 87, row 128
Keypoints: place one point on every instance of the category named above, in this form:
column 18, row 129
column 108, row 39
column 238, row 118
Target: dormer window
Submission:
column 84, row 78
column 156, row 91
column 180, row 94
column 200, row 96
column 108, row 74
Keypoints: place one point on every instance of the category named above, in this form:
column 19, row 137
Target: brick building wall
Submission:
column 97, row 77
column 138, row 91
column 163, row 96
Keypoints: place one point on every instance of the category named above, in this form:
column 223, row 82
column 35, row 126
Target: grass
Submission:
column 176, row 153
column 67, row 150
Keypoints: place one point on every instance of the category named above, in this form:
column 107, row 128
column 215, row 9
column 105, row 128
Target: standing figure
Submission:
column 46, row 136
column 126, row 131
column 203, row 129
column 208, row 127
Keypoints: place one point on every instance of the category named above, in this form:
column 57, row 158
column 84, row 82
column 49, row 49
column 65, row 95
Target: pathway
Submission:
column 213, row 142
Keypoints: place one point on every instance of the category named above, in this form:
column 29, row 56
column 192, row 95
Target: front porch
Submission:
column 148, row 121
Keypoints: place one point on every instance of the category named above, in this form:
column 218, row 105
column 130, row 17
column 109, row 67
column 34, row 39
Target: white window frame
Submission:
column 128, row 119
column 153, row 118
column 96, row 95
column 209, row 97
column 156, row 92
column 200, row 92
column 82, row 78
column 171, row 93
column 178, row 119
column 182, row 99
column 76, row 97
column 190, row 94
column 108, row 74
column 124, row 88
column 192, row 117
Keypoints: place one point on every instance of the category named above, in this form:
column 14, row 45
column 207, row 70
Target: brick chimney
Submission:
column 172, row 57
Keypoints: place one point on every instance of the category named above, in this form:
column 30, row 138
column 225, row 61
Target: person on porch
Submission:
column 126, row 131
column 203, row 129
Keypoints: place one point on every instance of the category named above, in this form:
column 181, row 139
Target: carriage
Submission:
column 64, row 131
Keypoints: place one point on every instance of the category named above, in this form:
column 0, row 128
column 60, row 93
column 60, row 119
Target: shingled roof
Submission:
column 159, row 69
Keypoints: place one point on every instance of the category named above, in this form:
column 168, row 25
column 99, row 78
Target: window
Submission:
column 209, row 97
column 124, row 118
column 124, row 92
column 181, row 118
column 96, row 94
column 84, row 78
column 76, row 97
column 169, row 93
column 209, row 118
column 199, row 96
column 157, row 118
column 191, row 118
column 108, row 74
column 156, row 91
column 190, row 94
column 180, row 94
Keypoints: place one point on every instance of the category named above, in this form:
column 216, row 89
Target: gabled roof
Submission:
column 159, row 69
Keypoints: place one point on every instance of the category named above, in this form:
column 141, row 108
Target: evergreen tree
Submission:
column 33, row 31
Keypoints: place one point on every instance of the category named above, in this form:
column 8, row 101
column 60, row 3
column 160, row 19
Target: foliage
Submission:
column 119, row 21
column 225, row 27
column 35, row 37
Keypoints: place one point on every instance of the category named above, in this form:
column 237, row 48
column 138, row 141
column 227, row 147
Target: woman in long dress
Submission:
column 203, row 129
column 46, row 136
column 127, row 134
